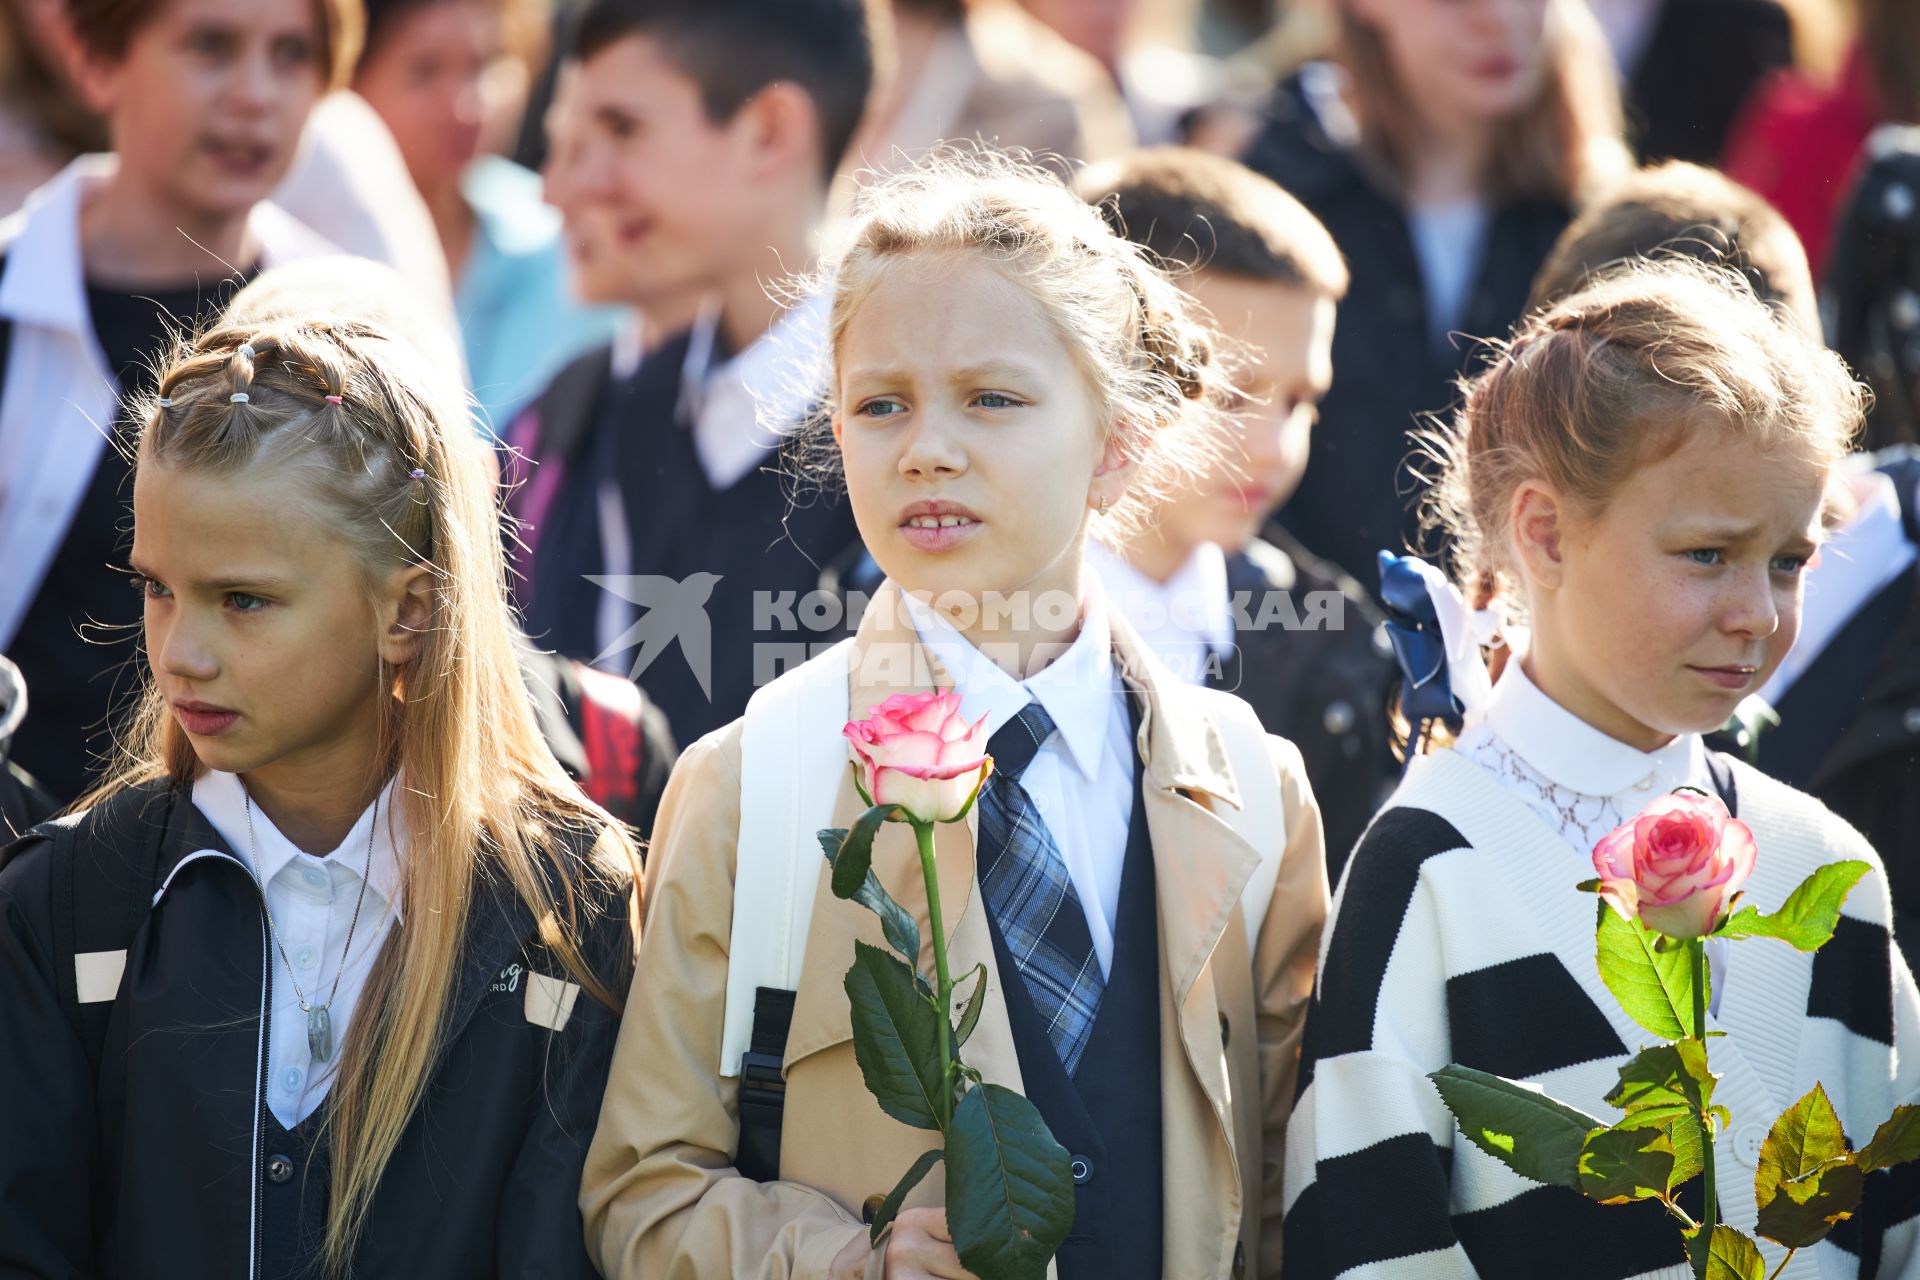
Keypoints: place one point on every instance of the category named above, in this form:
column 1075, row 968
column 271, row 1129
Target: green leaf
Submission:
column 895, row 1037
column 1734, row 1257
column 1534, row 1135
column 1618, row 1166
column 1804, row 1210
column 1009, row 1188
column 1654, row 987
column 884, row 1215
column 970, row 1015
column 902, row 930
column 1664, row 1082
column 1896, row 1141
column 851, row 863
column 1808, row 917
column 1588, row 886
column 1806, row 1136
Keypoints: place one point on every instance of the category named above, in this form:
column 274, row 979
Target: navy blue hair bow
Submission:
column 1437, row 639
column 1413, row 627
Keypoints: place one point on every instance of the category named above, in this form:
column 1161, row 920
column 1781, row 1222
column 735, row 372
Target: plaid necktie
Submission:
column 1026, row 885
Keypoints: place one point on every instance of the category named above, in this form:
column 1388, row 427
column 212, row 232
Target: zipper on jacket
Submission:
column 257, row 1203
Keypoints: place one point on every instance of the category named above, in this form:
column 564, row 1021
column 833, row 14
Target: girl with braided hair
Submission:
column 1641, row 475
column 1009, row 377
column 324, row 979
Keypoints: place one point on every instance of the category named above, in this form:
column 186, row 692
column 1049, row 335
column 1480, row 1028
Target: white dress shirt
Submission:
column 312, row 901
column 1187, row 620
column 739, row 409
column 1581, row 782
column 1081, row 779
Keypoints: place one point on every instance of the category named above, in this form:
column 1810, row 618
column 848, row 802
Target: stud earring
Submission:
column 1103, row 506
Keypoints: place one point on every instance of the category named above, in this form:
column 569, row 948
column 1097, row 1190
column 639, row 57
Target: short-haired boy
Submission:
column 709, row 131
column 1225, row 597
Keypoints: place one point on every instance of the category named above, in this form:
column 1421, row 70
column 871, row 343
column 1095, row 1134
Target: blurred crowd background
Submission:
column 1468, row 157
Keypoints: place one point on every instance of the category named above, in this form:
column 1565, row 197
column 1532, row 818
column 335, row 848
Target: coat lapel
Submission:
column 888, row 659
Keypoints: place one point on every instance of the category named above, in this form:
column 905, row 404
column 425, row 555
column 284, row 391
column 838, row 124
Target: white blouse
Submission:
column 1580, row 781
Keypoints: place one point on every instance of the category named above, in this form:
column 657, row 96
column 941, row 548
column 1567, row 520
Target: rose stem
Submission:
column 923, row 833
column 1703, row 1243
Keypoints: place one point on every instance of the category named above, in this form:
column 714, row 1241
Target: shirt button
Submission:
column 290, row 1080
column 1645, row 784
column 305, row 958
column 1042, row 803
column 279, row 1168
column 315, row 877
column 1082, row 1171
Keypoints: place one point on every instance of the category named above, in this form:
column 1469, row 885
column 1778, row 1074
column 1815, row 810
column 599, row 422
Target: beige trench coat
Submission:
column 660, row 1197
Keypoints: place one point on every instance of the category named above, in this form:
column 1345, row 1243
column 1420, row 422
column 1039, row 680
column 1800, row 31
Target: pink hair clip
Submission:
column 333, row 399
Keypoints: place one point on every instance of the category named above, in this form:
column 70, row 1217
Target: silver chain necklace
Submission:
column 319, row 1017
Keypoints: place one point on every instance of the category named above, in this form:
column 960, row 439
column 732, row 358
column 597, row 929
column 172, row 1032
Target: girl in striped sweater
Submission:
column 1642, row 473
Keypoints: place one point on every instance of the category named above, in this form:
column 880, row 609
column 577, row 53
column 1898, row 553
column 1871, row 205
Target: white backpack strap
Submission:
column 793, row 757
column 1263, row 821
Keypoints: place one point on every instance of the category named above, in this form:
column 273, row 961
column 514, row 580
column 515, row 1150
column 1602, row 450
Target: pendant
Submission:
column 320, row 1033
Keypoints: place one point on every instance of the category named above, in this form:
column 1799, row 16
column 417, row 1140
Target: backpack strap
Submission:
column 791, row 749
column 105, row 866
column 792, row 755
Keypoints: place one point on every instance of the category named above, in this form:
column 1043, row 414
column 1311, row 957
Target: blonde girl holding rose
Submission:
column 1007, row 376
column 1639, row 476
column 324, row 980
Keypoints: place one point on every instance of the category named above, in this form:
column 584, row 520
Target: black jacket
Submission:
column 1325, row 688
column 1357, row 496
column 156, row 1165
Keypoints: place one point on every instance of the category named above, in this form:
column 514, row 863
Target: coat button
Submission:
column 1226, row 1031
column 1339, row 718
column 1747, row 1143
column 279, row 1168
column 870, row 1208
column 1082, row 1171
column 1239, row 1260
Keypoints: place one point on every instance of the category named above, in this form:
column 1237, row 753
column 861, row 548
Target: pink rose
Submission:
column 1677, row 865
column 915, row 750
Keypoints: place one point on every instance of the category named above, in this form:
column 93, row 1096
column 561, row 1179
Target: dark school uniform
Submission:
column 137, row 1141
column 714, row 572
column 1323, row 684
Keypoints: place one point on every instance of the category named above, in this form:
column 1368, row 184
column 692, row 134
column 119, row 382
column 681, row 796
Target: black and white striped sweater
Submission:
column 1458, row 936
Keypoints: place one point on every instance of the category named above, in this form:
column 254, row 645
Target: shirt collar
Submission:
column 1077, row 688
column 222, row 798
column 1568, row 751
column 1195, row 603
column 779, row 370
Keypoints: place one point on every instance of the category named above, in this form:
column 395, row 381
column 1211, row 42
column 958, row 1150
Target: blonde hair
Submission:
column 1615, row 377
column 1154, row 363
column 1558, row 147
column 483, row 794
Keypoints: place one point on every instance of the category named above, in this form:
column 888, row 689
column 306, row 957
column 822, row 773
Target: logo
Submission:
column 676, row 610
